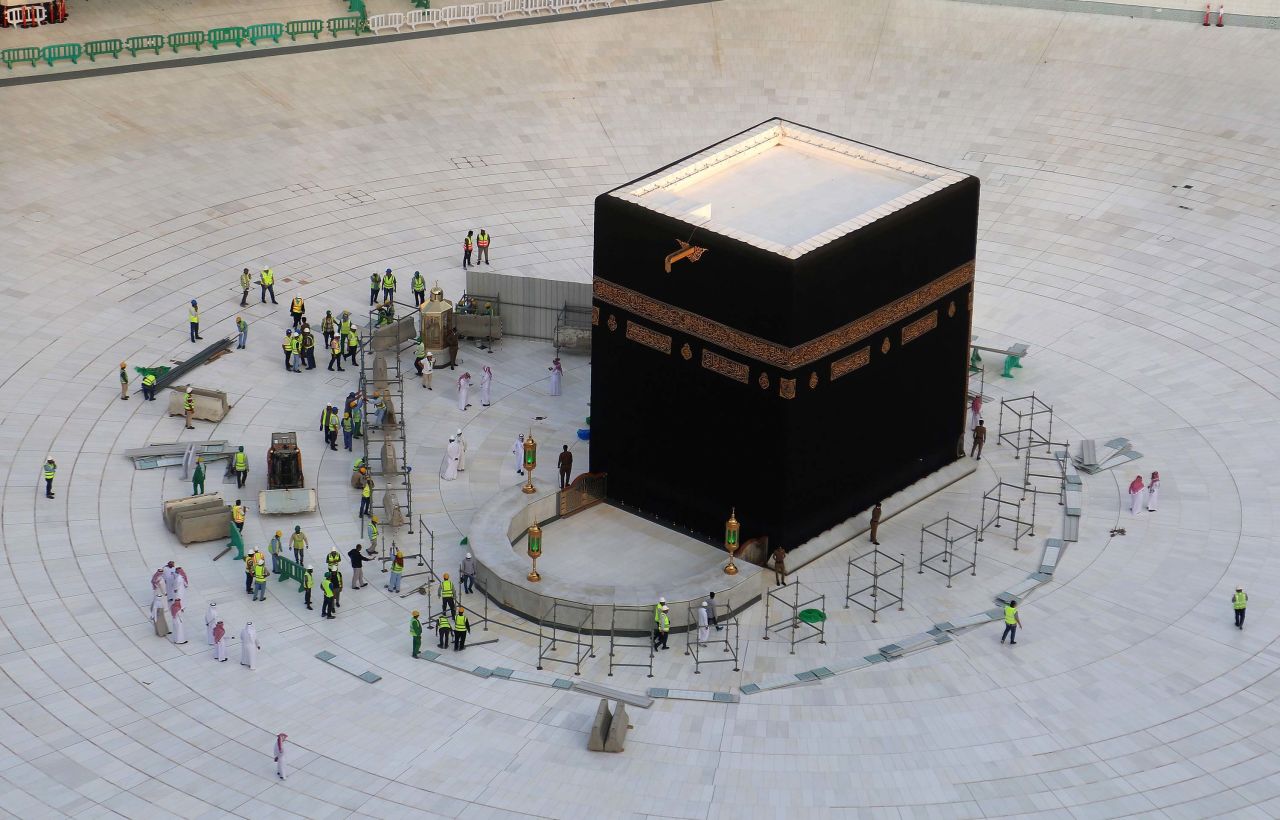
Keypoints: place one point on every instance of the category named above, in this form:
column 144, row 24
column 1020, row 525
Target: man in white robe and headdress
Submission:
column 279, row 755
column 170, row 574
column 157, row 615
column 249, row 646
column 462, row 451
column 486, row 384
column 210, row 621
column 180, row 583
column 557, row 373
column 518, row 450
column 449, row 464
column 157, row 581
column 464, row 386
column 704, row 625
column 179, row 631
column 219, row 642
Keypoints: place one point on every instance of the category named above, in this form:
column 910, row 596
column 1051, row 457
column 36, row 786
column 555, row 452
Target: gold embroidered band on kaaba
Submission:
column 763, row 350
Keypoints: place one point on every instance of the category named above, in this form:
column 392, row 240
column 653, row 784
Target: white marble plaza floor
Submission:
column 1130, row 234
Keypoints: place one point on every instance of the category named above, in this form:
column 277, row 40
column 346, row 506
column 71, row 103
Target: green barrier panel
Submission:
column 229, row 34
column 20, row 55
column 236, row 540
column 290, row 570
column 422, row 4
column 296, row 27
column 812, row 616
column 95, row 47
column 62, row 51
column 186, row 38
column 352, row 24
column 145, row 42
column 264, row 31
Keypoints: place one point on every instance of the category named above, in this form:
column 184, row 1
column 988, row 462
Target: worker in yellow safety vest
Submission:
column 268, row 283
column 260, row 579
column 249, row 561
column 447, row 591
column 482, row 244
column 193, row 318
column 460, row 629
column 50, row 469
column 419, row 286
column 149, row 387
column 308, row 582
column 388, row 285
column 237, row 515
column 366, row 498
column 467, row 245
column 296, row 308
column 245, row 282
column 189, row 408
column 241, row 465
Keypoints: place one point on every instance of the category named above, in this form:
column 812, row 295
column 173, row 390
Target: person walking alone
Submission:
column 124, row 382
column 875, row 524
column 242, row 333
column 1238, row 602
column 193, row 318
column 268, row 283
column 468, row 573
column 241, row 466
column 564, row 462
column 298, row 541
column 50, row 470
column 197, row 477
column 664, row 628
column 779, row 566
column 979, row 439
column 1011, row 623
column 415, row 632
column 245, row 281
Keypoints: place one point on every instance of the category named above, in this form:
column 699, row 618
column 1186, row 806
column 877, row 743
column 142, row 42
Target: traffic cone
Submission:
column 1206, row 14
column 1221, row 16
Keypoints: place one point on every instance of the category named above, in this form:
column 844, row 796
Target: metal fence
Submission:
column 531, row 307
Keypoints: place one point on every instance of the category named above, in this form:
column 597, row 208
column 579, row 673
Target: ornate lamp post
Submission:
column 535, row 551
column 530, row 461
column 731, row 528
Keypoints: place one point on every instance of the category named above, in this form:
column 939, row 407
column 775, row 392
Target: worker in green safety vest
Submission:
column 241, row 465
column 1011, row 623
column 1238, row 602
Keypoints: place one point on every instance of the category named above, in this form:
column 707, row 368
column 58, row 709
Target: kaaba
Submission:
column 780, row 327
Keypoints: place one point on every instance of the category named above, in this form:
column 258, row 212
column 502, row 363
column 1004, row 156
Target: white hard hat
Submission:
column 188, row 389
column 704, row 603
column 662, row 600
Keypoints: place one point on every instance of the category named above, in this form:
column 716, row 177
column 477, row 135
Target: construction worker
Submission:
column 268, row 283
column 324, row 419
column 241, row 465
column 344, row 323
column 447, row 595
column 336, row 575
column 124, row 382
column 197, row 477
column 308, row 347
column 419, row 286
column 397, row 572
column 193, row 318
column 1238, row 603
column 1011, row 623
column 460, row 629
column 366, row 498
column 357, row 416
column 332, row 434
column 353, row 344
column 50, row 468
column 335, row 353
column 260, row 579
column 327, row 327
column 296, row 308
column 276, row 549
column 287, row 345
column 245, row 281
column 308, row 581
column 326, row 607
column 657, row 616
column 388, row 285
column 149, row 387
column 298, row 541
column 482, row 246
column 415, row 632
column 443, row 628
column 237, row 515
column 295, row 351
column 467, row 244
column 333, row 559
column 189, row 408
column 375, row 284
column 242, row 333
column 346, row 430
column 664, row 627
column 373, row 533
column 379, row 410
column 249, row 561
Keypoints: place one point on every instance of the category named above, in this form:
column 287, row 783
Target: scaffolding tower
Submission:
column 874, row 596
column 948, row 561
column 618, row 639
column 1056, row 466
column 1006, row 502
column 551, row 634
column 1031, row 424
column 728, row 643
column 783, row 609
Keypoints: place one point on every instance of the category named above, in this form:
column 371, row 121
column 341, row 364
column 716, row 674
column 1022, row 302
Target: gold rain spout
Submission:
column 691, row 252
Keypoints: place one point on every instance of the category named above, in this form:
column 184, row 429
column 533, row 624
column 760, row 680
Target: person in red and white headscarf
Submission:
column 464, row 386
column 219, row 642
column 279, row 755
column 975, row 411
column 210, row 620
column 157, row 614
column 170, row 579
column 180, row 583
column 557, row 373
column 157, row 581
column 1136, row 494
column 486, row 383
column 179, row 632
column 1153, row 491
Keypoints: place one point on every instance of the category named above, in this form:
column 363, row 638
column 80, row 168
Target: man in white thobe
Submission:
column 179, row 631
column 704, row 625
column 557, row 373
column 486, row 384
column 279, row 755
column 464, row 386
column 462, row 451
column 249, row 646
column 170, row 584
column 518, row 450
column 449, row 464
column 219, row 642
column 157, row 615
column 179, row 584
column 210, row 621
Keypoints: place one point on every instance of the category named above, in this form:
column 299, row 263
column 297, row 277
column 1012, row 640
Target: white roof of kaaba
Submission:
column 788, row 189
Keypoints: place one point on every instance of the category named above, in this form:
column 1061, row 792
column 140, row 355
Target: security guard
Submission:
column 443, row 628
column 1238, row 602
column 245, row 281
column 415, row 631
column 447, row 595
column 460, row 629
column 268, row 283
column 149, row 387
column 482, row 243
column 307, row 583
column 1011, row 623
column 189, row 408
column 419, row 286
column 50, row 468
column 388, row 285
column 193, row 317
column 237, row 515
column 296, row 308
column 241, row 465
column 326, row 607
column 197, row 477
column 124, row 382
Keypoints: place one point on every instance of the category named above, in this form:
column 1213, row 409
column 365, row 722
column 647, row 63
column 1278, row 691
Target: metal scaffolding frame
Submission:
column 789, row 617
column 549, row 632
column 953, row 532
column 1026, row 412
column 381, row 371
column 882, row 564
column 1056, row 462
column 425, row 559
column 695, row 649
column 1001, row 499
column 618, row 641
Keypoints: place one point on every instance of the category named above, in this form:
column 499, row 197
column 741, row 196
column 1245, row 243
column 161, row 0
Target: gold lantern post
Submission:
column 530, row 461
column 731, row 528
column 436, row 316
column 535, row 551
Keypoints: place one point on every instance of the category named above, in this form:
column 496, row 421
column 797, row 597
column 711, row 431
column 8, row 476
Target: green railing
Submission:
column 264, row 31
column 144, row 42
column 29, row 54
column 229, row 34
column 61, row 51
column 296, row 27
column 182, row 39
column 95, row 47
